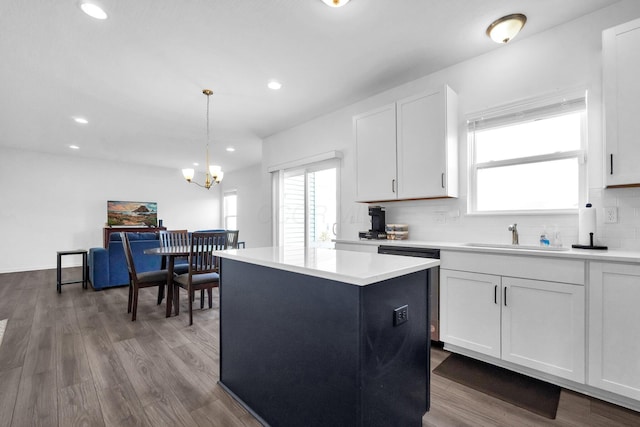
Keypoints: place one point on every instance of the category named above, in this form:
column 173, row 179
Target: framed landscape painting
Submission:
column 133, row 214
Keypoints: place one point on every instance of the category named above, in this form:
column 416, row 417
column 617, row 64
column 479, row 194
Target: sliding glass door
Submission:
column 308, row 207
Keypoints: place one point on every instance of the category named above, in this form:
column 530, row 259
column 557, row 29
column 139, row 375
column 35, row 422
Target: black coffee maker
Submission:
column 378, row 224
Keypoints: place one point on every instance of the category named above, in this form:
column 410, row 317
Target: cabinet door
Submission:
column 375, row 135
column 543, row 326
column 614, row 328
column 470, row 311
column 621, row 68
column 427, row 145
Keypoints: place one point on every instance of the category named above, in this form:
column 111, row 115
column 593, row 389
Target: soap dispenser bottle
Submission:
column 544, row 237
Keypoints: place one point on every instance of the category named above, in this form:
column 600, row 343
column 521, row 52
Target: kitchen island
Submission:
column 321, row 337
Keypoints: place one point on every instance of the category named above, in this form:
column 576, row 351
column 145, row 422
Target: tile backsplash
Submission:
column 446, row 221
column 624, row 234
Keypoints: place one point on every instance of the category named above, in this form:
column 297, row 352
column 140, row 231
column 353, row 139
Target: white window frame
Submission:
column 521, row 113
column 224, row 208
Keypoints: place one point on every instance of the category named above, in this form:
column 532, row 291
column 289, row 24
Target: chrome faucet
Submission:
column 514, row 234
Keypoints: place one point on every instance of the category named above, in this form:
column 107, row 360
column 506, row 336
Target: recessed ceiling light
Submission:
column 274, row 85
column 93, row 10
column 196, row 164
column 74, row 147
column 231, row 149
column 335, row 3
column 81, row 120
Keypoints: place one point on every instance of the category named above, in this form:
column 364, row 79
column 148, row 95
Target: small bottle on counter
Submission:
column 544, row 237
column 557, row 240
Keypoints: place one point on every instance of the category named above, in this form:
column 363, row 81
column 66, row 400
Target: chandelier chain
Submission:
column 208, row 96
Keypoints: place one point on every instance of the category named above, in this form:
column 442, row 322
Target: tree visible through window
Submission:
column 528, row 160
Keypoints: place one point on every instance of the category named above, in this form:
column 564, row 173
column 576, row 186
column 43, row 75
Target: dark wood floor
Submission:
column 77, row 359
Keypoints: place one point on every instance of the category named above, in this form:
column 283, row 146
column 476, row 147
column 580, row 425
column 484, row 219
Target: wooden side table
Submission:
column 59, row 281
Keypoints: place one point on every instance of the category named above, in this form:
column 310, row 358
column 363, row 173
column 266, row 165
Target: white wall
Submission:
column 50, row 203
column 565, row 57
column 254, row 215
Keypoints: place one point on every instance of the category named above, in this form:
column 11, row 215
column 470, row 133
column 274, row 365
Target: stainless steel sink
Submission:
column 523, row 247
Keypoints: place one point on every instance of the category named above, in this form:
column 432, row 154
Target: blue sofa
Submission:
column 108, row 267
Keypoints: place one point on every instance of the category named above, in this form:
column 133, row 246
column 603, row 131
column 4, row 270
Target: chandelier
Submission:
column 213, row 173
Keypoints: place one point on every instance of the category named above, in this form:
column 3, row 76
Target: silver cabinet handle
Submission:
column 505, row 296
column 495, row 294
column 442, row 179
column 393, row 185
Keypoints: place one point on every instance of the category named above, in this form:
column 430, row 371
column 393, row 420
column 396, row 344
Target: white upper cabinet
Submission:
column 408, row 149
column 375, row 134
column 621, row 86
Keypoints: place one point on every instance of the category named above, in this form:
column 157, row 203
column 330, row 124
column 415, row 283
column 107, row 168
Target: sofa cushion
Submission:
column 134, row 235
column 108, row 267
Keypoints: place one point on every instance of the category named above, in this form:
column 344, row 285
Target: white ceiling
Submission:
column 137, row 76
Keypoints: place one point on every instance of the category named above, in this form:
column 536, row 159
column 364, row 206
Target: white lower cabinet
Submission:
column 533, row 323
column 469, row 314
column 543, row 326
column 614, row 328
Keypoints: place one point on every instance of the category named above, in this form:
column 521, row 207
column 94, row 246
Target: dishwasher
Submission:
column 434, row 278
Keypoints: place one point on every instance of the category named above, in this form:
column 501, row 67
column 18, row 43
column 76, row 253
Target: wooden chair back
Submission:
column 201, row 260
column 156, row 278
column 128, row 255
column 232, row 239
column 170, row 238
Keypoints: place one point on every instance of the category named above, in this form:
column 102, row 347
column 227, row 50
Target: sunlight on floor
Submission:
column 3, row 325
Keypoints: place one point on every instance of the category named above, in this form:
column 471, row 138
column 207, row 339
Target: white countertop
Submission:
column 567, row 252
column 356, row 268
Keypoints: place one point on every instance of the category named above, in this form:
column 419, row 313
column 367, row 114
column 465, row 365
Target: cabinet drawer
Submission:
column 527, row 267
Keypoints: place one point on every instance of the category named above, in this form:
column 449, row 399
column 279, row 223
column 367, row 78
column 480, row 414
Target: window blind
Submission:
column 519, row 116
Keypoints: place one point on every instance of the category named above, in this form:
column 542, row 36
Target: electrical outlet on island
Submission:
column 400, row 315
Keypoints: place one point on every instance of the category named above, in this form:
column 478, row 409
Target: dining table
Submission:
column 171, row 253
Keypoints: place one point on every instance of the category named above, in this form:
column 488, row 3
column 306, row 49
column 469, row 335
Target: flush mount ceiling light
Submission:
column 274, row 85
column 231, row 149
column 214, row 173
column 74, row 147
column 80, row 120
column 506, row 28
column 335, row 3
column 93, row 10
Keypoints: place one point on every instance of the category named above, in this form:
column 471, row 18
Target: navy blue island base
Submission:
column 300, row 350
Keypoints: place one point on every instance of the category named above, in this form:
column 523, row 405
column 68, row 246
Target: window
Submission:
column 528, row 160
column 230, row 208
column 306, row 196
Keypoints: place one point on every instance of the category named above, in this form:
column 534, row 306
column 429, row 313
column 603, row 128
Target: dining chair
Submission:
column 232, row 239
column 175, row 238
column 138, row 281
column 203, row 271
